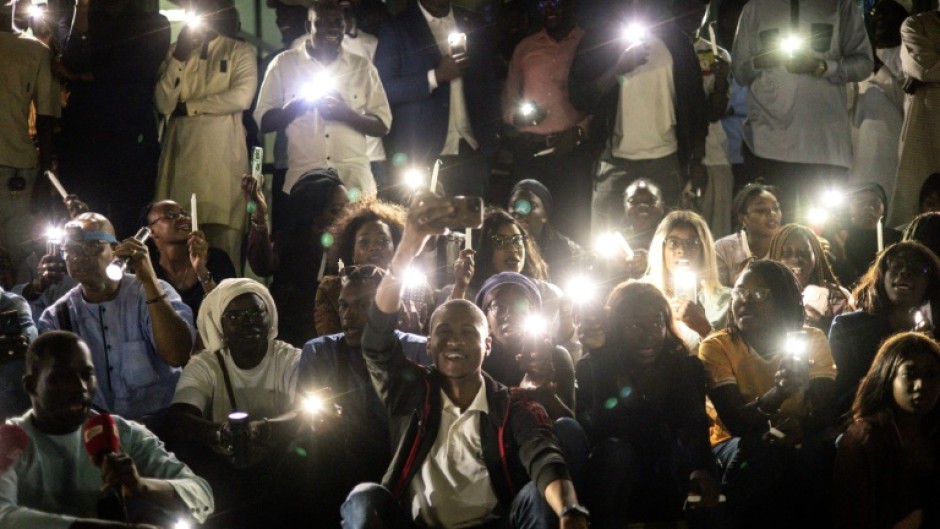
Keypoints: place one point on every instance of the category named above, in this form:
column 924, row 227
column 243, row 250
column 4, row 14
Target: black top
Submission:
column 219, row 265
column 861, row 247
column 504, row 368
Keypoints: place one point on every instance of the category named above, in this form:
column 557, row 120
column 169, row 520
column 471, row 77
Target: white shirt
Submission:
column 453, row 489
column 458, row 124
column 314, row 142
column 646, row 112
column 267, row 390
column 26, row 71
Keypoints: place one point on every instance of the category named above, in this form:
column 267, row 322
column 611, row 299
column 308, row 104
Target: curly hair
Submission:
column 785, row 294
column 345, row 228
column 634, row 293
column 875, row 392
column 822, row 273
column 533, row 265
column 870, row 291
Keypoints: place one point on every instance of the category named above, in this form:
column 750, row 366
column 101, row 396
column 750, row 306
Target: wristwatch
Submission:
column 821, row 68
column 577, row 509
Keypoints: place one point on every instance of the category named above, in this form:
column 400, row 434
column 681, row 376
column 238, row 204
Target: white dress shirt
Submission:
column 314, row 142
column 452, row 488
column 458, row 124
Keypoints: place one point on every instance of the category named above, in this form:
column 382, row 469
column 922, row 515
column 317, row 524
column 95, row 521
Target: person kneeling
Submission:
column 471, row 451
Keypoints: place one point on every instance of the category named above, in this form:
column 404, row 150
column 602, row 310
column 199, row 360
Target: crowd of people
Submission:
column 524, row 264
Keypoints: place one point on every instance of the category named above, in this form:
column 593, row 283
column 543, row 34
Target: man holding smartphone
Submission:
column 435, row 61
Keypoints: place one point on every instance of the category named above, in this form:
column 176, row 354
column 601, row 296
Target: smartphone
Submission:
column 257, row 159
column 468, row 213
column 10, row 323
column 817, row 297
column 457, row 43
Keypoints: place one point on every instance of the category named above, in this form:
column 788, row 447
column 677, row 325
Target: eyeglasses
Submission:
column 245, row 316
column 172, row 215
column 522, row 307
column 914, row 266
column 674, row 243
column 502, row 242
column 75, row 250
column 758, row 295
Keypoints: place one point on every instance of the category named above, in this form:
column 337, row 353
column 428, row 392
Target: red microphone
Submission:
column 101, row 437
column 13, row 441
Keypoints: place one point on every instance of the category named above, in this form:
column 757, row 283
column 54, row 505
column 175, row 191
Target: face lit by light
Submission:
column 634, row 33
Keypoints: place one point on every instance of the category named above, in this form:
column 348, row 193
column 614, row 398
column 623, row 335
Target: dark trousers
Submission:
column 799, row 185
column 371, row 506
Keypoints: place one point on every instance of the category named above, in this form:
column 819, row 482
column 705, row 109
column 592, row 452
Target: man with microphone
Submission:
column 138, row 329
column 53, row 484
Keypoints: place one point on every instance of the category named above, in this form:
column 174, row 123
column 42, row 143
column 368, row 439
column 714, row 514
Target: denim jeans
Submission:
column 371, row 506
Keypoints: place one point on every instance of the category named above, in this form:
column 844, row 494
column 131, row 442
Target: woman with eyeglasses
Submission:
column 897, row 294
column 824, row 298
column 244, row 368
column 771, row 388
column 758, row 214
column 183, row 257
column 293, row 255
column 682, row 264
column 886, row 468
column 367, row 234
column 641, row 400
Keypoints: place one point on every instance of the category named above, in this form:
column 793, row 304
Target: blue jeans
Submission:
column 371, row 506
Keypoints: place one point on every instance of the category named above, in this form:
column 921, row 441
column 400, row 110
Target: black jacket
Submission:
column 601, row 48
column 516, row 435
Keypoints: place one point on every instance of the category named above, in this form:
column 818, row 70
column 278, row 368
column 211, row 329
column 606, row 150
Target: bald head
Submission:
column 95, row 222
column 455, row 306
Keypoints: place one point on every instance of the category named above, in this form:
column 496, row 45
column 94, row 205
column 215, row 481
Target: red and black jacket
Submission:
column 516, row 435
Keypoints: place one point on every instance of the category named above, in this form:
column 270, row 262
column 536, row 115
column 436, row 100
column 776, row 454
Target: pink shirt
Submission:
column 539, row 73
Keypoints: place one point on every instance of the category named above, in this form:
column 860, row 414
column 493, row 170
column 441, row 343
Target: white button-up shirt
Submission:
column 312, row 141
column 458, row 124
column 453, row 489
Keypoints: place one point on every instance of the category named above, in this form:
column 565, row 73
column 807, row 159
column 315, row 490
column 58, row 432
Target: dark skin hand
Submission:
column 119, row 472
column 450, row 68
column 51, row 270
column 802, row 62
column 464, row 267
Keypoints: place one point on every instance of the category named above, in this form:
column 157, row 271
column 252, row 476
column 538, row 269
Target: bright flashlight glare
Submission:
column 321, row 85
column 817, row 216
column 791, row 44
column 313, row 404
column 526, row 108
column 37, row 10
column 192, row 20
column 454, row 39
column 182, row 524
column 685, row 281
column 54, row 234
column 610, row 244
column 918, row 319
column 535, row 325
column 581, row 289
column 797, row 344
column 634, row 33
column 414, row 279
column 114, row 271
column 414, row 178
column 833, row 198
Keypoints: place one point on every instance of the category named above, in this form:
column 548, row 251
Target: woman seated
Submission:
column 855, row 243
column 799, row 249
column 925, row 229
column 367, row 234
column 295, row 254
column 758, row 214
column 184, row 258
column 641, row 400
column 771, row 386
column 886, row 473
column 682, row 264
column 900, row 287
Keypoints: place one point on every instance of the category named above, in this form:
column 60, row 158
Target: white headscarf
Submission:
column 210, row 313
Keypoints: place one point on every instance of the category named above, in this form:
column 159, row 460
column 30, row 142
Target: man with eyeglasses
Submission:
column 138, row 329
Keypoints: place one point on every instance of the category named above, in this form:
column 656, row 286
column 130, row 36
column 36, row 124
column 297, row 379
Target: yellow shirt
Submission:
column 731, row 361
